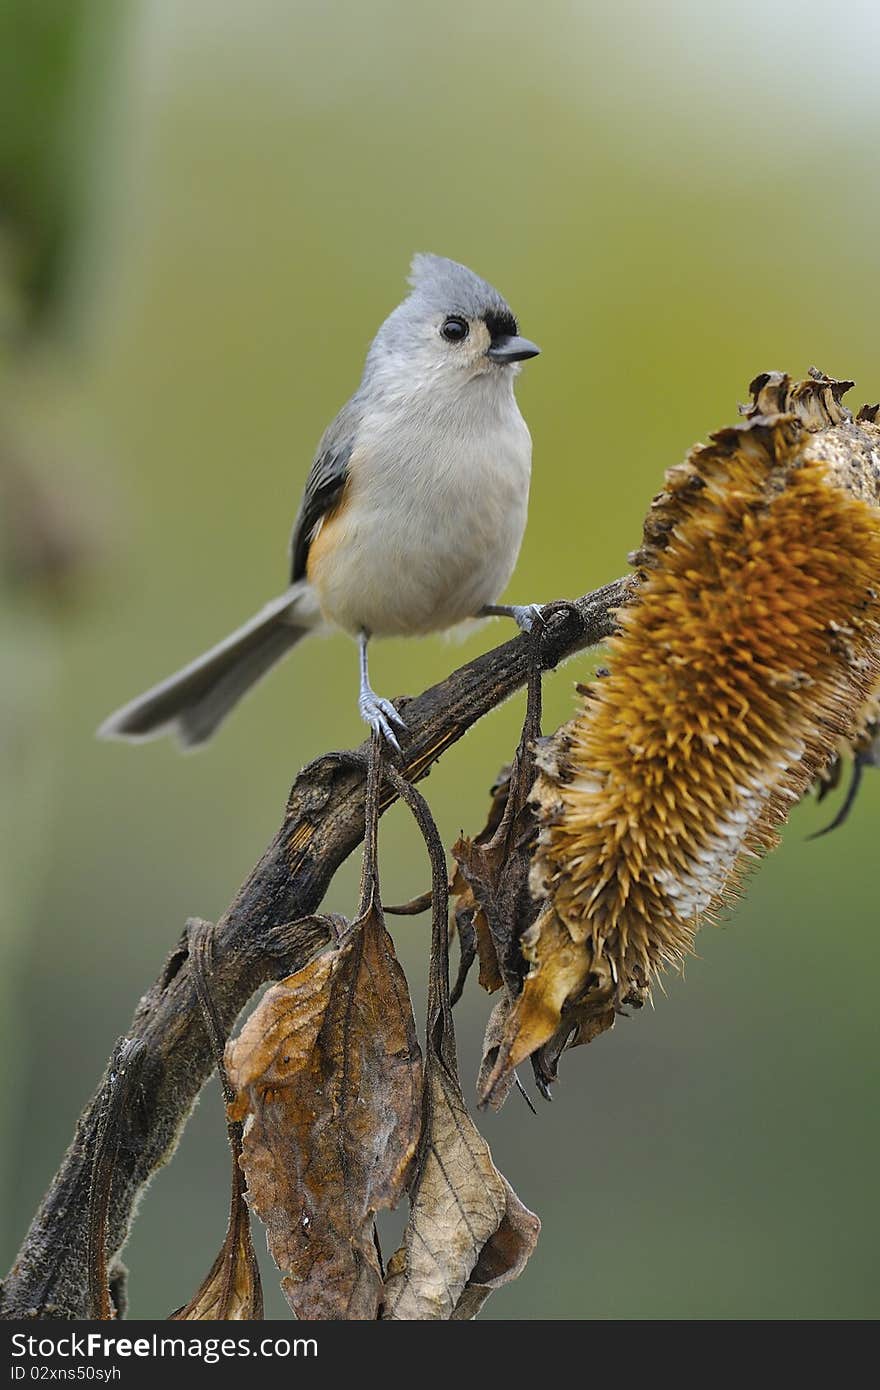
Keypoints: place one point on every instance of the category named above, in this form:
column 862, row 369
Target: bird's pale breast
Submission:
column 426, row 532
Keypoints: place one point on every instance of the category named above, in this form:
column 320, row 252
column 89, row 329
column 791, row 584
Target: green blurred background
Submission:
column 207, row 209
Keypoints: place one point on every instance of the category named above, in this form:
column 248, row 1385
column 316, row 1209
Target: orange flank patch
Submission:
column 325, row 537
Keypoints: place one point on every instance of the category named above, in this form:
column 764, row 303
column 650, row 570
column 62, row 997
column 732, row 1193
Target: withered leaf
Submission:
column 466, row 933
column 474, row 936
column 503, row 1257
column 559, row 971
column 232, row 1289
column 493, row 1041
column 492, row 878
column 468, row 1233
column 328, row 1077
column 566, row 1001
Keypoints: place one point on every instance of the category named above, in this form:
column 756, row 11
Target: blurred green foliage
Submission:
column 673, row 197
column 37, row 43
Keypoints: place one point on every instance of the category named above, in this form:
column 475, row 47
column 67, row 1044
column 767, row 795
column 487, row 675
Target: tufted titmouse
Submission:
column 412, row 515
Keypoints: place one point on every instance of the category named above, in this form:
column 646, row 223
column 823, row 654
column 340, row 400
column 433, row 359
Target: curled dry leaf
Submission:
column 496, row 908
column 474, row 937
column 503, row 1257
column 232, row 1289
column 554, row 1012
column 491, row 883
column 328, row 1080
column 468, row 1233
column 493, row 1041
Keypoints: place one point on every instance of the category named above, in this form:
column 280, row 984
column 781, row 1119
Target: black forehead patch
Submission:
column 501, row 324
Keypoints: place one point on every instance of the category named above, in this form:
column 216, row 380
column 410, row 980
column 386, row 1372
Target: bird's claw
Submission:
column 382, row 717
column 526, row 615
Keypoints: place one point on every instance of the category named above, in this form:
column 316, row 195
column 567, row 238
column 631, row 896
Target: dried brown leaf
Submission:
column 468, row 1232
column 474, row 937
column 231, row 1290
column 559, row 971
column 492, row 878
column 327, row 1072
column 563, row 1004
column 465, row 908
column 502, row 1258
column 494, row 1040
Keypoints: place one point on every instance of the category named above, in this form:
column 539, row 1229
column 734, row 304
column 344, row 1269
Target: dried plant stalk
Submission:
column 267, row 933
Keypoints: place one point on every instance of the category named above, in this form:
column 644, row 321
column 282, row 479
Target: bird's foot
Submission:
column 382, row 717
column 525, row 615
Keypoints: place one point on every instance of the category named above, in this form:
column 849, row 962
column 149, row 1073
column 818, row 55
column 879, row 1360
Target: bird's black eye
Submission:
column 454, row 329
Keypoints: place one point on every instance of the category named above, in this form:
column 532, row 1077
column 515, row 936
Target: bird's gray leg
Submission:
column 378, row 713
column 524, row 615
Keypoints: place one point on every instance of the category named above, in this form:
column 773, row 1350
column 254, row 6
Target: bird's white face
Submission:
column 462, row 344
column 454, row 329
column 455, row 348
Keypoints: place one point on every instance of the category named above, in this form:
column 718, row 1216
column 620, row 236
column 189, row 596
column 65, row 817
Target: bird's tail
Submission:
column 194, row 701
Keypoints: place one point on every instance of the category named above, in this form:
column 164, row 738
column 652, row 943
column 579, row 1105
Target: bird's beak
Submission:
column 512, row 350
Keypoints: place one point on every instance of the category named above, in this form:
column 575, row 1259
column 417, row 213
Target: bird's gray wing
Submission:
column 324, row 487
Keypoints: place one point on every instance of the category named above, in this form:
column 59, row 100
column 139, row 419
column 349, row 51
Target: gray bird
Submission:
column 413, row 512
